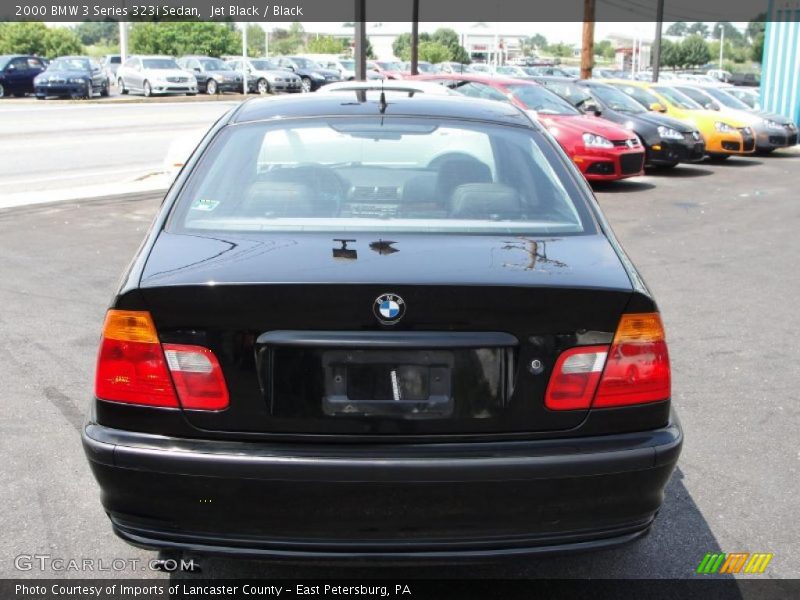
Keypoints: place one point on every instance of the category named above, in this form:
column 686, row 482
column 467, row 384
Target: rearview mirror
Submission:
column 11, row 68
column 657, row 107
column 712, row 106
column 592, row 108
column 197, row 70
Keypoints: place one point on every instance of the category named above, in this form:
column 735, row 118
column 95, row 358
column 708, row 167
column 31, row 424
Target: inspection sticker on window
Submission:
column 204, row 204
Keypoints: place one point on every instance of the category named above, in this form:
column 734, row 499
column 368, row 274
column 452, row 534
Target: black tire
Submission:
column 89, row 91
column 147, row 89
column 191, row 93
column 718, row 157
column 666, row 165
column 305, row 82
column 262, row 86
column 212, row 88
column 2, row 91
column 121, row 86
column 764, row 151
column 19, row 94
column 104, row 93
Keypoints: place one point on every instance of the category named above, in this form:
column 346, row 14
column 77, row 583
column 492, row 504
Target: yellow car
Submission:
column 724, row 134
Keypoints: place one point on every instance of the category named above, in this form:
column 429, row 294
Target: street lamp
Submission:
column 721, row 43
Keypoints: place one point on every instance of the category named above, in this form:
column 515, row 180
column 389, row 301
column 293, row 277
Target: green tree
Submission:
column 23, row 38
column 732, row 34
column 671, row 54
column 37, row 38
column 449, row 39
column 538, row 41
column 677, row 29
column 326, row 44
column 433, row 52
column 92, row 33
column 755, row 27
column 286, row 41
column 698, row 28
column 757, row 49
column 605, row 49
column 694, row 50
column 402, row 45
column 60, row 41
column 184, row 37
column 560, row 49
column 256, row 40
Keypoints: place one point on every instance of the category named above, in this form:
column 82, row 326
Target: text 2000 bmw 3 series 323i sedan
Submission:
column 381, row 329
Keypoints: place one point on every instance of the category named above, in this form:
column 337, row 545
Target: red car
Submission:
column 602, row 150
column 390, row 70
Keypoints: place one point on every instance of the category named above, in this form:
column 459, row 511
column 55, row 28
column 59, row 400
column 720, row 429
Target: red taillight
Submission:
column 637, row 369
column 197, row 376
column 634, row 370
column 132, row 367
column 575, row 377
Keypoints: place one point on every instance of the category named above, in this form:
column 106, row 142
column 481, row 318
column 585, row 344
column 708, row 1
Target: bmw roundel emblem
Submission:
column 389, row 308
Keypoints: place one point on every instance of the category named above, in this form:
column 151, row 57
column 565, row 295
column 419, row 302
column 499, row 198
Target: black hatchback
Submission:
column 667, row 141
column 374, row 326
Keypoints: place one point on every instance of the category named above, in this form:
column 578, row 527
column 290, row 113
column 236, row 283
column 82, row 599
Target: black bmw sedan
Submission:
column 667, row 141
column 381, row 327
column 71, row 77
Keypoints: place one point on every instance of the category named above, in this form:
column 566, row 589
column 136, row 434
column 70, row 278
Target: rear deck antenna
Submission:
column 382, row 100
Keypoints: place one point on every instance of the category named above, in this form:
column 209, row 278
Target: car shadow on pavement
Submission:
column 624, row 186
column 674, row 548
column 737, row 162
column 679, row 171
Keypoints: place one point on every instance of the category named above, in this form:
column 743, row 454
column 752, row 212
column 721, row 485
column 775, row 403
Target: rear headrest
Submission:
column 278, row 199
column 485, row 201
column 458, row 171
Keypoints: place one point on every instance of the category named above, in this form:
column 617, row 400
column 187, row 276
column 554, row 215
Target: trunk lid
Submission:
column 294, row 323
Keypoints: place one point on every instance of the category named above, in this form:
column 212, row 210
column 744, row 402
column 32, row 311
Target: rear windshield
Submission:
column 214, row 64
column 381, row 174
column 542, row 100
column 159, row 63
column 677, row 98
column 724, row 98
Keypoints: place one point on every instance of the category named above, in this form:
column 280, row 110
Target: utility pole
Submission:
column 721, row 44
column 360, row 41
column 657, row 40
column 415, row 37
column 244, row 58
column 123, row 41
column 587, row 48
column 266, row 43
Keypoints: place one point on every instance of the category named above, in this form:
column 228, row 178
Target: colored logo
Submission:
column 389, row 308
column 734, row 562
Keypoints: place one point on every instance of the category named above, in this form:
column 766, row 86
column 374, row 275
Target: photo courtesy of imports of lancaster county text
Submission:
column 420, row 299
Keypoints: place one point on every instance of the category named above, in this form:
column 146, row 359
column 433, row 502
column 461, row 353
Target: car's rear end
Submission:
column 323, row 361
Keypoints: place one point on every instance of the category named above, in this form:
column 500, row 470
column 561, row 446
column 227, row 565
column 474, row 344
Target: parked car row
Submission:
column 612, row 129
column 84, row 77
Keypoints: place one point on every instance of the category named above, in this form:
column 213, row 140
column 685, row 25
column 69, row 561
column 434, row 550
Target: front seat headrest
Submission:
column 493, row 201
column 458, row 171
column 278, row 199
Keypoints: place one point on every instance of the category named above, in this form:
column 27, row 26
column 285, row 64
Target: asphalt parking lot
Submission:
column 717, row 243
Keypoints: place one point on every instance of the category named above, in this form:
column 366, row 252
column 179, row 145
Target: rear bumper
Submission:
column 446, row 501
